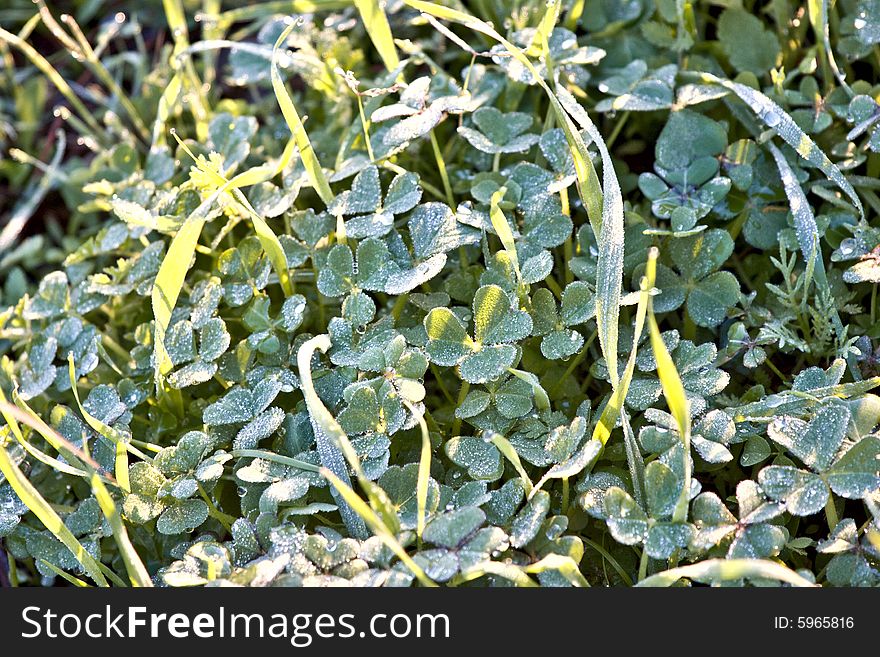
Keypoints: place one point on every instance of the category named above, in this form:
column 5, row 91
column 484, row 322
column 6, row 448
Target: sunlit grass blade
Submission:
column 26, row 415
column 43, row 65
column 137, row 572
column 564, row 565
column 266, row 9
column 168, row 284
column 542, row 400
column 334, row 448
column 67, row 577
column 371, row 519
column 509, row 452
column 376, row 24
column 611, row 412
column 47, row 515
column 726, row 570
column 295, row 124
column 609, row 273
column 676, row 400
column 502, row 228
column 424, row 469
column 120, row 441
column 773, row 116
column 276, row 458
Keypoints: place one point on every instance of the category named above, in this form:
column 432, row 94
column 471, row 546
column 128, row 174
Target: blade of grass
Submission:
column 676, row 400
column 725, row 570
column 376, row 23
column 773, row 116
column 297, row 129
column 611, row 412
column 43, row 65
column 137, row 572
column 609, row 273
column 507, row 450
column 47, row 515
column 370, row 518
column 334, row 448
column 268, row 240
column 424, row 469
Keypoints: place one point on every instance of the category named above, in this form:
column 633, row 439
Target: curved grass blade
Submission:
column 137, row 572
column 612, row 410
column 605, row 214
column 297, row 129
column 277, row 458
column 818, row 13
column 609, row 273
column 507, row 450
column 268, row 240
column 424, row 469
column 376, row 23
column 47, row 515
column 725, row 570
column 502, row 227
column 334, row 448
column 677, row 402
column 169, row 282
column 375, row 523
column 773, row 116
column 133, row 564
column 542, row 400
column 111, row 434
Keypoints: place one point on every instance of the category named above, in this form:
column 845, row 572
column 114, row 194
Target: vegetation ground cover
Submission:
column 468, row 293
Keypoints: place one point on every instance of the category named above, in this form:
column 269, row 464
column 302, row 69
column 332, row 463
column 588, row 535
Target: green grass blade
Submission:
column 169, row 282
column 137, row 572
column 612, row 410
column 507, row 450
column 502, row 227
column 726, row 570
column 609, row 273
column 334, row 448
column 371, row 519
column 111, row 434
column 565, row 565
column 376, row 23
column 56, row 78
column 424, row 469
column 46, row 514
column 773, row 116
column 297, row 129
column 677, row 402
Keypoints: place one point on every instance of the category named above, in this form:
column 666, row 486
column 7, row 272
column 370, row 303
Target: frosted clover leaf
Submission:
column 850, row 471
column 433, row 231
column 652, row 526
column 193, row 364
column 635, row 88
column 559, row 339
column 166, row 488
column 497, row 132
column 752, row 535
column 369, row 214
column 709, row 293
column 248, row 407
column 686, row 185
column 418, row 112
column 376, row 402
column 498, row 325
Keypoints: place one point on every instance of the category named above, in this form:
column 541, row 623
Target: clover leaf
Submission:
column 486, row 356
